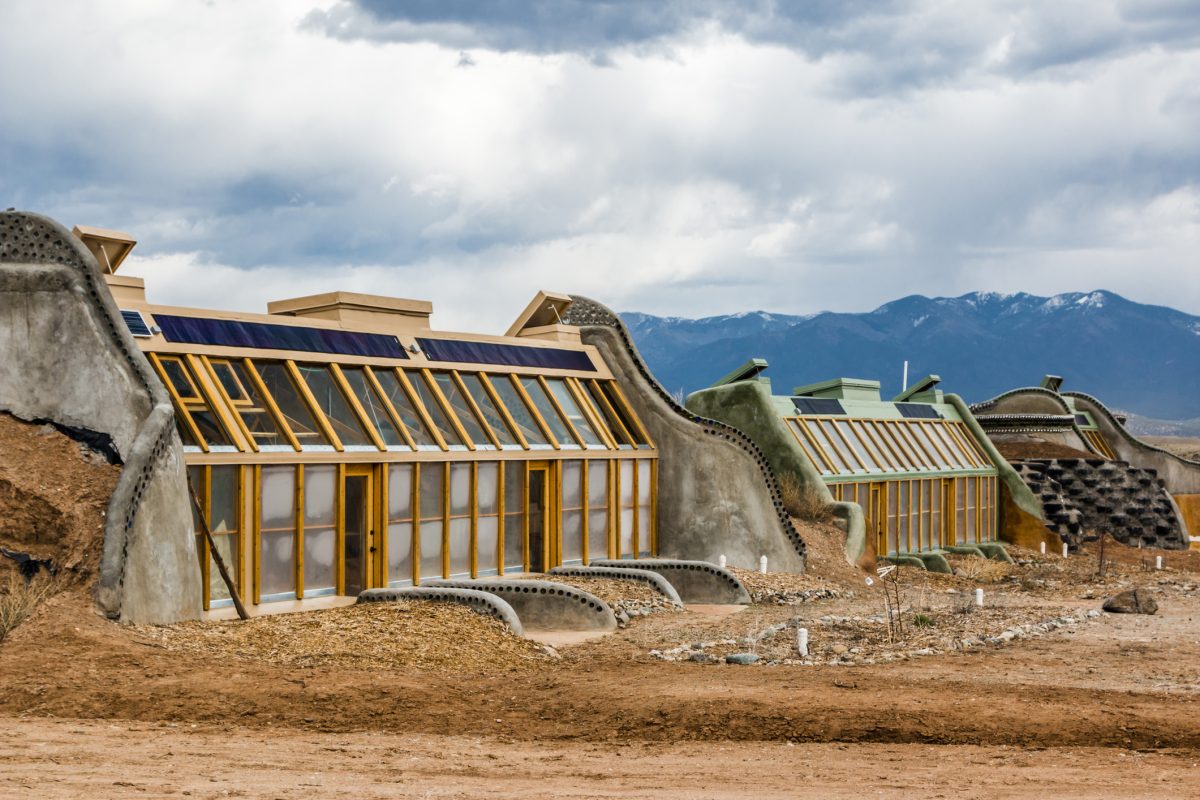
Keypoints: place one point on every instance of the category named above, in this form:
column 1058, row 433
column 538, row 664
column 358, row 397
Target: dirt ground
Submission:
column 1183, row 446
column 978, row 703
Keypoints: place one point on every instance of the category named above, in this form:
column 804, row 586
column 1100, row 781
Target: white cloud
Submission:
column 701, row 166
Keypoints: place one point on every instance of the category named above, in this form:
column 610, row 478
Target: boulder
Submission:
column 1131, row 601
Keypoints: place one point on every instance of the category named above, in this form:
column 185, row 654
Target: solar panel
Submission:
column 818, row 405
column 917, row 411
column 509, row 355
column 265, row 336
column 136, row 323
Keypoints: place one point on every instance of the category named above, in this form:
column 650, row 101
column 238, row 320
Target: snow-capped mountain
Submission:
column 1142, row 358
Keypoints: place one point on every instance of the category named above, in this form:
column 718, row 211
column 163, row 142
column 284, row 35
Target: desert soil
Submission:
column 430, row 702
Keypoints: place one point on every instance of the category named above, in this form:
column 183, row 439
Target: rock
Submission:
column 1133, row 601
column 741, row 658
column 840, row 649
column 701, row 658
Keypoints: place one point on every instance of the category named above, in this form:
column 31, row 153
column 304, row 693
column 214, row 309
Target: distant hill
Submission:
column 1139, row 358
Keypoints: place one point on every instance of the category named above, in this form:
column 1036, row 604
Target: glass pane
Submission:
column 950, row 445
column 614, row 423
column 177, row 375
column 922, row 435
column 278, row 503
column 399, row 547
column 518, row 409
column 487, row 484
column 431, row 491
column 460, row 546
column 212, row 431
column 229, row 382
column 462, row 409
column 598, row 510
column 431, row 548
column 514, row 517
column 572, row 536
column 319, row 491
column 293, row 408
column 319, row 576
column 850, row 434
column 425, row 394
column 185, row 433
column 818, row 433
column 223, row 500
column 643, row 468
column 566, row 401
column 971, row 503
column 400, row 492
column 460, row 490
column 614, row 400
column 572, row 488
column 643, row 514
column 333, row 405
column 254, row 409
column 485, row 549
column 626, row 533
column 626, row 483
column 356, row 379
column 404, row 407
column 541, row 401
column 229, row 546
column 491, row 413
column 277, row 562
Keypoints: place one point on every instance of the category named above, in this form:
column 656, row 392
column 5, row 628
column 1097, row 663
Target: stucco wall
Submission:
column 716, row 494
column 66, row 355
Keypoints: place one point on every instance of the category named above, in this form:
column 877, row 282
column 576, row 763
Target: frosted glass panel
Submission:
column 572, row 489
column 278, row 497
column 399, row 552
column 223, row 506
column 514, row 517
column 598, row 533
column 487, row 485
column 318, row 559
column 277, row 562
column 460, row 490
column 485, row 549
column 626, row 533
column 431, row 549
column 460, row 546
column 319, row 496
column 400, row 491
column 626, row 493
column 431, row 490
column 643, row 468
column 572, row 536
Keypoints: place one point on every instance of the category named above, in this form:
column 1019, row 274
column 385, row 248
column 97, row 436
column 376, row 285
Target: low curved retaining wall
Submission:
column 481, row 602
column 695, row 581
column 653, row 579
column 543, row 605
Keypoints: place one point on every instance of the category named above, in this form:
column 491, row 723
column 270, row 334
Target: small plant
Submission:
column 19, row 598
column 922, row 621
column 803, row 500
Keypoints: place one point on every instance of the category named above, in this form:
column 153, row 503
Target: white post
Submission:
column 721, row 561
column 905, row 387
column 979, row 597
column 762, row 565
column 1043, row 548
column 1064, row 549
column 802, row 641
column 1158, row 562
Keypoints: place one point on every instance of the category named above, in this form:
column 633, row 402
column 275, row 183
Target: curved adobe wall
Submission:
column 716, row 492
column 66, row 355
column 1035, row 401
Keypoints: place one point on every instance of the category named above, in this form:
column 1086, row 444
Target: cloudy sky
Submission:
column 686, row 158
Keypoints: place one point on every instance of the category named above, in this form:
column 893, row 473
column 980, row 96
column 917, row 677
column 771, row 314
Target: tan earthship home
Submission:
column 337, row 443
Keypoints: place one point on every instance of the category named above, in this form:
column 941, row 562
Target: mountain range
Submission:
column 1137, row 358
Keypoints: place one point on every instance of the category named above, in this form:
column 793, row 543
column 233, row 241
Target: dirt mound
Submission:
column 826, row 544
column 1017, row 451
column 53, row 494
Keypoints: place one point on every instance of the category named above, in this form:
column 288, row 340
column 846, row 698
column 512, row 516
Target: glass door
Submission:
column 358, row 527
column 537, row 512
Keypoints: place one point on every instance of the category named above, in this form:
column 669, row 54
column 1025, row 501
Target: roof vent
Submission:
column 109, row 247
column 370, row 311
column 751, row 370
column 1052, row 382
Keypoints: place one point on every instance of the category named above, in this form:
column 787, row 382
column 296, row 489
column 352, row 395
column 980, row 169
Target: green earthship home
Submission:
column 1089, row 472
column 339, row 445
column 909, row 477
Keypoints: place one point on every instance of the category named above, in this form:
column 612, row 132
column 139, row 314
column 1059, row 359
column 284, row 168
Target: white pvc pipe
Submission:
column 762, row 565
column 802, row 641
column 1043, row 548
column 721, row 561
column 979, row 597
column 1158, row 562
column 1064, row 549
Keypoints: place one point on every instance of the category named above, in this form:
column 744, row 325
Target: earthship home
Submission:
column 337, row 443
column 916, row 473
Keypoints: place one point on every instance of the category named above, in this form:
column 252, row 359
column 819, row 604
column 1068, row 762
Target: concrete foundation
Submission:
column 481, row 602
column 716, row 492
column 543, row 605
column 67, row 356
column 695, row 581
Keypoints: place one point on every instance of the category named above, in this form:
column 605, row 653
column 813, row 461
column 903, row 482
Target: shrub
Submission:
column 19, row 598
column 922, row 621
column 804, row 500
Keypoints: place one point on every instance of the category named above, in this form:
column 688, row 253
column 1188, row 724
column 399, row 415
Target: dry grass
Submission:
column 804, row 500
column 980, row 570
column 18, row 599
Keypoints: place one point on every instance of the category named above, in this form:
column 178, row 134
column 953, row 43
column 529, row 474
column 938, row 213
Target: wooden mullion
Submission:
column 503, row 409
column 339, row 522
column 474, row 511
column 234, row 414
column 269, row 401
column 447, row 410
column 220, row 410
column 474, row 409
column 419, row 407
column 256, row 544
column 416, row 523
column 562, row 414
column 537, row 417
column 445, row 519
column 612, row 413
column 313, row 406
column 833, row 423
column 180, row 406
column 632, row 416
column 590, row 413
column 501, row 522
column 299, row 512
